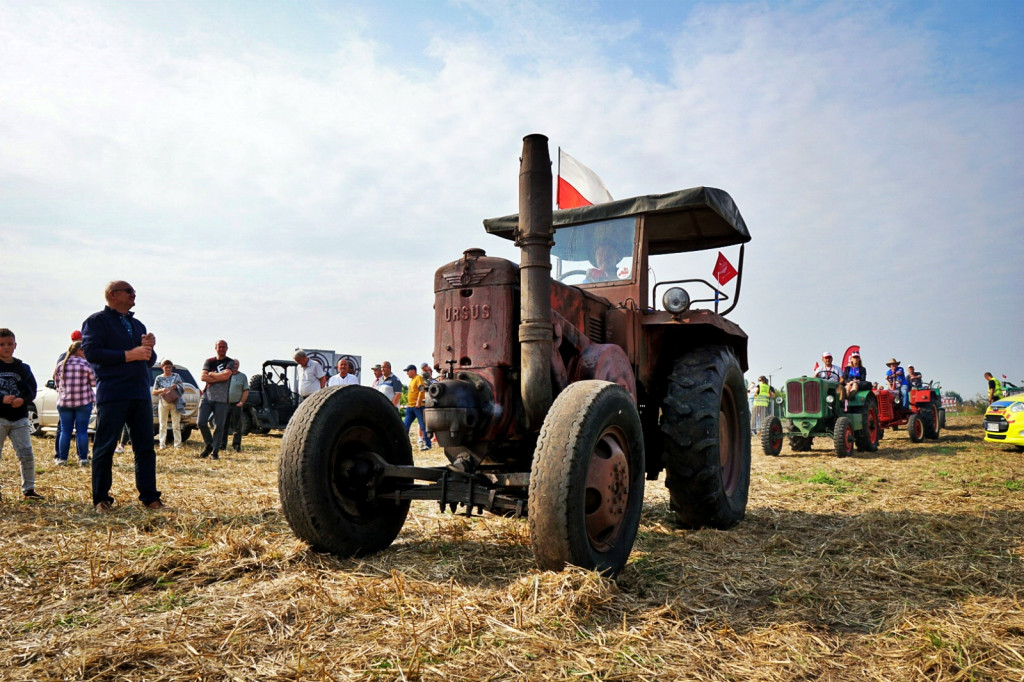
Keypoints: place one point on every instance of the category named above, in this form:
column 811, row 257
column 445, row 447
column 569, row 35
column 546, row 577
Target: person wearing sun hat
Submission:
column 897, row 380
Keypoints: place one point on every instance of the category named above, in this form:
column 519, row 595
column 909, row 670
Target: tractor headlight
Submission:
column 778, row 399
column 830, row 399
column 676, row 300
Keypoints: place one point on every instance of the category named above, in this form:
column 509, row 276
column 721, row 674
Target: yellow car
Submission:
column 1004, row 421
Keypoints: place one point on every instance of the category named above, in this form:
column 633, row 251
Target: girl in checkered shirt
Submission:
column 75, row 380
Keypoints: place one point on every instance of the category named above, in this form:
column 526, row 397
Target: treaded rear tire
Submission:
column 706, row 426
column 800, row 443
column 930, row 417
column 867, row 438
column 587, row 479
column 325, row 472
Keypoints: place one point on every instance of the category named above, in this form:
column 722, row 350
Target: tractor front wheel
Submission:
column 587, row 480
column 706, row 427
column 328, row 476
column 915, row 427
column 843, row 436
column 771, row 437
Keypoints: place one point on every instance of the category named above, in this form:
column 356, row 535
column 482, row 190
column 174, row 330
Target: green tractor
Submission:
column 812, row 408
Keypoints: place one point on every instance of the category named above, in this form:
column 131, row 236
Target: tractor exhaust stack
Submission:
column 534, row 237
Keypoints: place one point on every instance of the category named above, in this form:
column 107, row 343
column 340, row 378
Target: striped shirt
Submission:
column 74, row 381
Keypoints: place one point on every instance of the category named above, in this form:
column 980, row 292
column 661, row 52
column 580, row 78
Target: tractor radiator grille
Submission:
column 794, row 397
column 595, row 330
column 812, row 396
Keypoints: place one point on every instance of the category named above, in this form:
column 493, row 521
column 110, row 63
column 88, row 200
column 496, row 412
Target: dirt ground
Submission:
column 898, row 565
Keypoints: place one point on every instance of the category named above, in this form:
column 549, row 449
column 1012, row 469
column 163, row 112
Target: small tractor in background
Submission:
column 555, row 401
column 813, row 409
column 923, row 417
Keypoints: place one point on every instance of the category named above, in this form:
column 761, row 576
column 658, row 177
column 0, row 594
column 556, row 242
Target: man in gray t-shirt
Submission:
column 217, row 373
column 238, row 391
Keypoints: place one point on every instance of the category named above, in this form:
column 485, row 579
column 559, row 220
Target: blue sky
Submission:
column 286, row 175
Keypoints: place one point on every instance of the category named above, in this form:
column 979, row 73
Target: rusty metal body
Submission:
column 508, row 339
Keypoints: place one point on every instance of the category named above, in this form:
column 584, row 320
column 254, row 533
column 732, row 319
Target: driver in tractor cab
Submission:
column 607, row 262
column 898, row 383
column 830, row 372
column 855, row 375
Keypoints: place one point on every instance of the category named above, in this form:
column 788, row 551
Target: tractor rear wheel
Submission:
column 930, row 417
column 867, row 438
column 800, row 443
column 915, row 427
column 771, row 437
column 587, row 480
column 328, row 470
column 843, row 437
column 706, row 427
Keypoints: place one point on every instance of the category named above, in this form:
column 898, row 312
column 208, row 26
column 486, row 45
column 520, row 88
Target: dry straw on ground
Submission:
column 902, row 564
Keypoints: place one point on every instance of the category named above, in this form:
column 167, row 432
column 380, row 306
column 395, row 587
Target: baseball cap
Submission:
column 826, row 354
column 412, row 367
column 76, row 335
column 854, row 354
column 375, row 367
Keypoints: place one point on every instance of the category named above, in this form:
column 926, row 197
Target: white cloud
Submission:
column 281, row 197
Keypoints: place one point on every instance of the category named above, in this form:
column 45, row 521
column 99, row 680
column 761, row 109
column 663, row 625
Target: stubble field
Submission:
column 899, row 565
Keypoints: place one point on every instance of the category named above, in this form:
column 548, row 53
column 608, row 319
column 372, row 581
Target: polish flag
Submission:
column 578, row 185
column 724, row 271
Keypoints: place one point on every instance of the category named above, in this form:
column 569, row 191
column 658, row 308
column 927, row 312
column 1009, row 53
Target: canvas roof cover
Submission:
column 686, row 220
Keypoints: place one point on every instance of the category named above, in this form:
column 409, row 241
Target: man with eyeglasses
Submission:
column 121, row 351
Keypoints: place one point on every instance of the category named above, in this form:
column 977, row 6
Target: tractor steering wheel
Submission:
column 569, row 274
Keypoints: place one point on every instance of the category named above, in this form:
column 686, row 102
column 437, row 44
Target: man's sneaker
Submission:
column 31, row 494
column 155, row 504
column 206, row 452
column 214, row 455
column 425, row 446
column 104, row 507
column 83, row 462
column 58, row 462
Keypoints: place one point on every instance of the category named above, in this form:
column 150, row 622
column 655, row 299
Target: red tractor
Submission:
column 921, row 417
column 556, row 399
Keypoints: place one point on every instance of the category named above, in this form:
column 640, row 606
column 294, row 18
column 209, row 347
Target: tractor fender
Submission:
column 607, row 362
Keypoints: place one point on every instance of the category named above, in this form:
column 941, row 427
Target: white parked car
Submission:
column 44, row 417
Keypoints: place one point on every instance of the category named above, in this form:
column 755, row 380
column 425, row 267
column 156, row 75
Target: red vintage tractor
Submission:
column 921, row 417
column 556, row 399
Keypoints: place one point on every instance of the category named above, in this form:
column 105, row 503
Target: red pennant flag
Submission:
column 724, row 271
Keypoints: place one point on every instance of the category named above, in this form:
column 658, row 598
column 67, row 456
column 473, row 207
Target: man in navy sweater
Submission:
column 122, row 352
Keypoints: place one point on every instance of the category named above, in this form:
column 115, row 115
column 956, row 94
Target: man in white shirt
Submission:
column 343, row 378
column 829, row 371
column 311, row 375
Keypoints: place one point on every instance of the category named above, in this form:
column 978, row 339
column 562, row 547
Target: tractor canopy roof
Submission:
column 686, row 220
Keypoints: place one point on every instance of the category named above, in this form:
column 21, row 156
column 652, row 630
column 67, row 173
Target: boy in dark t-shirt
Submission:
column 17, row 390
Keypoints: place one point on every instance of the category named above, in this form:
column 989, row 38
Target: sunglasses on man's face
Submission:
column 130, row 292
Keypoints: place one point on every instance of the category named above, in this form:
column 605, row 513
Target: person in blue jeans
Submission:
column 74, row 379
column 122, row 351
